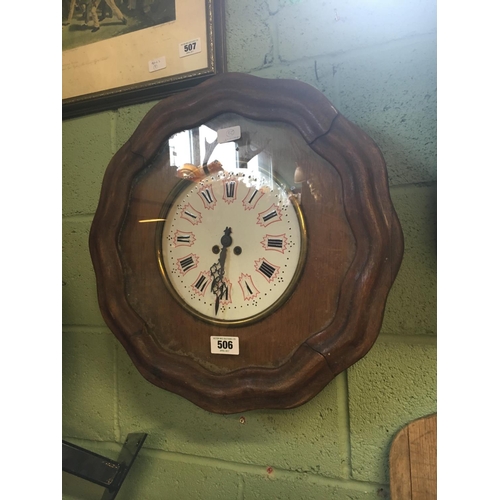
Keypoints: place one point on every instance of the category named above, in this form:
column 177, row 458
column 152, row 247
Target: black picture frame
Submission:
column 151, row 90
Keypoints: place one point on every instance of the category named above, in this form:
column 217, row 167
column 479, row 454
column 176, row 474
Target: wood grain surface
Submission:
column 413, row 461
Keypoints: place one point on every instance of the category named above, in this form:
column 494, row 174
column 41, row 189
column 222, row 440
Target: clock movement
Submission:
column 245, row 243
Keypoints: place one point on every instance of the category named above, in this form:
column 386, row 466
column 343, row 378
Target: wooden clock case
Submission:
column 333, row 316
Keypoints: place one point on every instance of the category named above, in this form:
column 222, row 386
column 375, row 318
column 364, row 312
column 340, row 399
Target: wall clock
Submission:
column 245, row 243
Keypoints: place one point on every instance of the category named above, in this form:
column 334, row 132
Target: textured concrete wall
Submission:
column 376, row 61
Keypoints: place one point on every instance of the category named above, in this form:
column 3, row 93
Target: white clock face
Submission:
column 232, row 246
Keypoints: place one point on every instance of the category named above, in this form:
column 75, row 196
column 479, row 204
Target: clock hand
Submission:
column 217, row 270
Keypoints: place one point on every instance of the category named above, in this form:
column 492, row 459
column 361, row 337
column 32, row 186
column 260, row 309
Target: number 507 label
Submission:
column 191, row 47
column 224, row 345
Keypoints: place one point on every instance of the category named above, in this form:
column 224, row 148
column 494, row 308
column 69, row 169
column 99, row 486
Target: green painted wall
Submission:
column 376, row 61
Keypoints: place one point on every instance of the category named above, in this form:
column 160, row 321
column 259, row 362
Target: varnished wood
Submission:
column 333, row 316
column 295, row 318
column 413, row 461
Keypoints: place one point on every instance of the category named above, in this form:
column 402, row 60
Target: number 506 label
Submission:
column 191, row 47
column 224, row 345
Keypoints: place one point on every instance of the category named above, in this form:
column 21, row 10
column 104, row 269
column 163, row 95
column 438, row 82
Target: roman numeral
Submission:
column 182, row 239
column 185, row 264
column 252, row 198
column 230, row 189
column 222, row 292
column 191, row 214
column 200, row 285
column 275, row 242
column 269, row 216
column 248, row 289
column 207, row 196
column 268, row 270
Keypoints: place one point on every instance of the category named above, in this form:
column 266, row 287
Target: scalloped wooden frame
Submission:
column 355, row 321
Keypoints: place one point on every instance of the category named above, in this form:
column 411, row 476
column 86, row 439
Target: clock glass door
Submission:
column 219, row 230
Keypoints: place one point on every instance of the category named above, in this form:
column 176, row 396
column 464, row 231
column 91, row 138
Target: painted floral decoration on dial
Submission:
column 232, row 245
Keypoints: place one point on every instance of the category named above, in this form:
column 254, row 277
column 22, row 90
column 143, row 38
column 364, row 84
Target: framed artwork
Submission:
column 122, row 52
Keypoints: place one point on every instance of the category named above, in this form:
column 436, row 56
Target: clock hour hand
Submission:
column 217, row 270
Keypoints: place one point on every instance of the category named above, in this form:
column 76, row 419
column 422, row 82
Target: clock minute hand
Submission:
column 217, row 270
column 218, row 284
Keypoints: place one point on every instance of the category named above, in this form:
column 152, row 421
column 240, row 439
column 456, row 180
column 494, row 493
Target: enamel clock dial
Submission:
column 245, row 243
column 232, row 246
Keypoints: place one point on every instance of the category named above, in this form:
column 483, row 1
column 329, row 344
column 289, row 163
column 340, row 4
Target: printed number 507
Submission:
column 191, row 47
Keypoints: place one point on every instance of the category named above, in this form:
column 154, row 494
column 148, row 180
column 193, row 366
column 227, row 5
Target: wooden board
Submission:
column 413, row 461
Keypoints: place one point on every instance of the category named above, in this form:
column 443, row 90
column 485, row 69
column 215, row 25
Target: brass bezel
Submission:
column 183, row 184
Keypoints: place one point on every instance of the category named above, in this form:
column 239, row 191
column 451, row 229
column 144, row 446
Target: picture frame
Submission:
column 143, row 65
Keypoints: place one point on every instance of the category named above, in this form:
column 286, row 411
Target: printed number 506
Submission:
column 225, row 344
